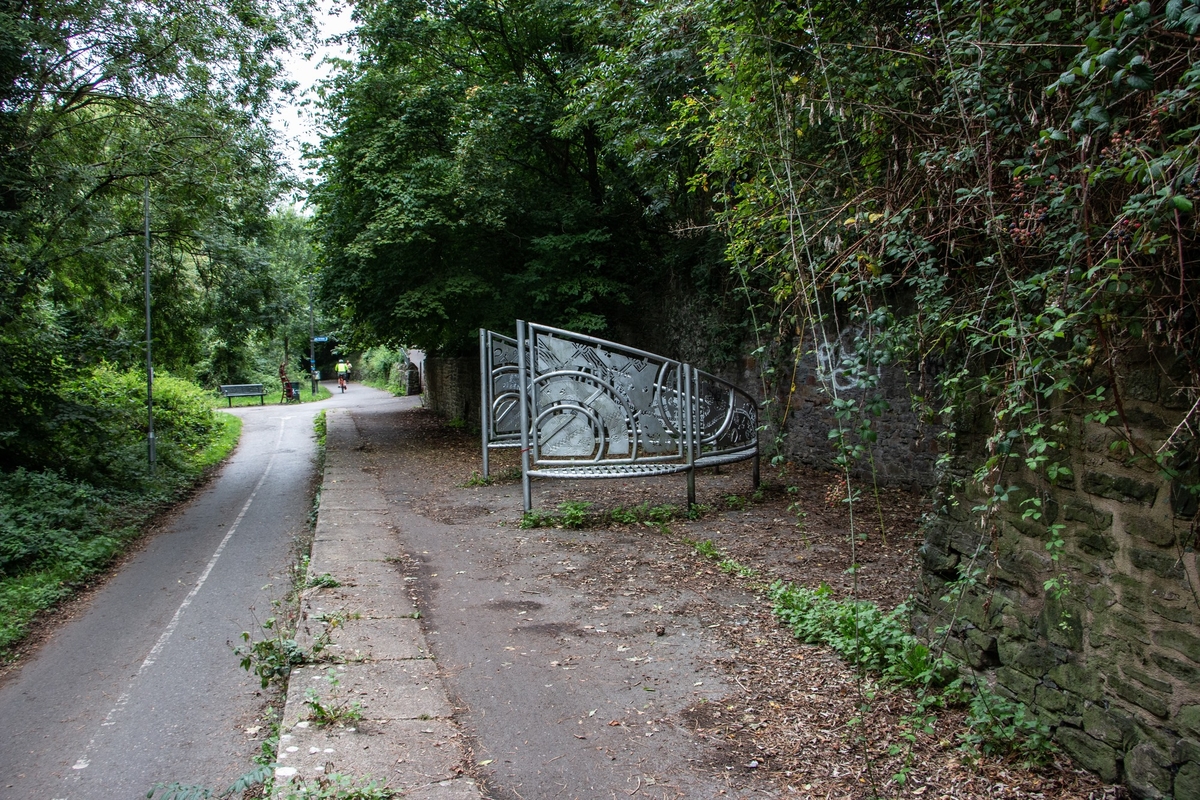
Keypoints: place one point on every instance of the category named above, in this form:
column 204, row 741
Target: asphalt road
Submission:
column 143, row 687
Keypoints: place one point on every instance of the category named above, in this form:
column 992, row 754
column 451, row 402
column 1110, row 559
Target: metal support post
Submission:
column 524, row 380
column 485, row 375
column 692, row 437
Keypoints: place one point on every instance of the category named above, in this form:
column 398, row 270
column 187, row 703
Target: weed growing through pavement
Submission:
column 331, row 711
column 272, row 657
column 330, row 622
column 180, row 791
column 323, row 581
column 337, row 787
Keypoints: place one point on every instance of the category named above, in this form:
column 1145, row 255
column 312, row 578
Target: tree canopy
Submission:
column 457, row 191
column 102, row 99
column 1001, row 194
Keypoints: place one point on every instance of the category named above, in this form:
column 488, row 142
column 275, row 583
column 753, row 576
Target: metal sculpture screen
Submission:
column 501, row 389
column 582, row 407
column 596, row 402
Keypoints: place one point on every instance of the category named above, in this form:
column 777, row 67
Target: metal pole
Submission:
column 149, row 358
column 485, row 376
column 691, row 423
column 525, row 369
column 312, row 345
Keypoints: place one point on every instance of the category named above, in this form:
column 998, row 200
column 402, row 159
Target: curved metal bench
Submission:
column 582, row 407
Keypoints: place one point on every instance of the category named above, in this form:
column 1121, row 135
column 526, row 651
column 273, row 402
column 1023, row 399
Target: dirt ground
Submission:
column 803, row 723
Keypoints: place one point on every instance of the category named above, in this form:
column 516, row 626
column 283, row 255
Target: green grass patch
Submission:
column 229, row 430
column 396, row 389
column 320, row 428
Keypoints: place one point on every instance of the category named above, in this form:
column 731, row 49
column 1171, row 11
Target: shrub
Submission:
column 102, row 429
column 384, row 367
column 45, row 518
column 57, row 527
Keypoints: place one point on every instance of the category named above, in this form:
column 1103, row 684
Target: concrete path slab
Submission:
column 406, row 754
column 345, row 554
column 363, row 639
column 375, row 660
column 360, row 597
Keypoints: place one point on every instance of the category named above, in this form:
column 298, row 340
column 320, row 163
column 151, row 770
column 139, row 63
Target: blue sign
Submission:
column 320, row 338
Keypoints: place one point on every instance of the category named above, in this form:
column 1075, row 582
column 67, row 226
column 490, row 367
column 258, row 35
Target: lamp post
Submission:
column 149, row 358
column 312, row 342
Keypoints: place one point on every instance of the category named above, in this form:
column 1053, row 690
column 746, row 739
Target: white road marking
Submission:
column 110, row 719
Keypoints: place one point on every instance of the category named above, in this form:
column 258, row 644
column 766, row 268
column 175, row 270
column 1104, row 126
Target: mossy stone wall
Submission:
column 1113, row 662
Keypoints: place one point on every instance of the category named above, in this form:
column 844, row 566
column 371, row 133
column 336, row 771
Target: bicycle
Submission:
column 342, row 381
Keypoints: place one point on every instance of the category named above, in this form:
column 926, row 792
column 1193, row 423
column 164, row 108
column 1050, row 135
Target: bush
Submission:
column 384, row 367
column 47, row 519
column 58, row 527
column 101, row 432
column 54, row 533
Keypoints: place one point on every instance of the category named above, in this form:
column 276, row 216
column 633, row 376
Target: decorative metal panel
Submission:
column 597, row 402
column 582, row 407
column 727, row 417
column 502, row 387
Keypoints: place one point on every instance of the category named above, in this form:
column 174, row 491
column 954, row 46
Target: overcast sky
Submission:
column 294, row 121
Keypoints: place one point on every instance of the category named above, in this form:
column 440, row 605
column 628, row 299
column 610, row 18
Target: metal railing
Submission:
column 582, row 407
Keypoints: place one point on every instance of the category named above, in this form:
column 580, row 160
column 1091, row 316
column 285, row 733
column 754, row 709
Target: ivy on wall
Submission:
column 1000, row 194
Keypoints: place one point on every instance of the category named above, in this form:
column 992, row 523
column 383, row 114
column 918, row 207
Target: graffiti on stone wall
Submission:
column 840, row 367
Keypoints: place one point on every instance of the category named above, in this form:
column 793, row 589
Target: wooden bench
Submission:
column 243, row 390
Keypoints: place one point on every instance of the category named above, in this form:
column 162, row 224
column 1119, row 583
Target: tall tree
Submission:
column 450, row 199
column 103, row 97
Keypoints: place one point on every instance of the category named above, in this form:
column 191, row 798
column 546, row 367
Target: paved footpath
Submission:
column 378, row 660
column 545, row 664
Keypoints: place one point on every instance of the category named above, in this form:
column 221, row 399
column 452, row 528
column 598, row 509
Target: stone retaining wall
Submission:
column 1113, row 664
column 905, row 452
column 452, row 388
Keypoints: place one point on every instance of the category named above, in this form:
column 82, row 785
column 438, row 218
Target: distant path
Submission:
column 143, row 687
